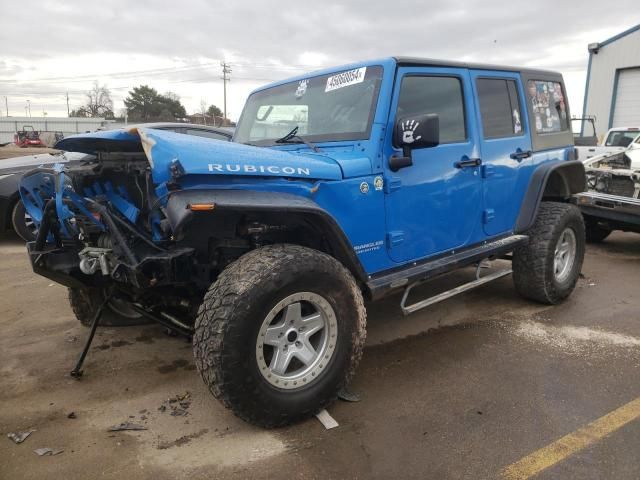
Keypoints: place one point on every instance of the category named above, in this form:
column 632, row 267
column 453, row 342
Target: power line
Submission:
column 160, row 71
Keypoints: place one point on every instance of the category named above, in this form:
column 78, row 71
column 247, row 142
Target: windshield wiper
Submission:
column 293, row 137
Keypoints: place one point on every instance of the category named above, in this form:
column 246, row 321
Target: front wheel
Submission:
column 116, row 313
column 279, row 333
column 547, row 268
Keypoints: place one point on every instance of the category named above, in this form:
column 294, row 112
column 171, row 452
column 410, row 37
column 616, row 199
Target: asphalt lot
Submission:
column 463, row 389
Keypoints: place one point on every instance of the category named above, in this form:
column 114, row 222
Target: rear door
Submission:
column 433, row 206
column 505, row 146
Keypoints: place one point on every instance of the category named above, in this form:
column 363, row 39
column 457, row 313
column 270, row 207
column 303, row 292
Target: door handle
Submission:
column 466, row 162
column 520, row 155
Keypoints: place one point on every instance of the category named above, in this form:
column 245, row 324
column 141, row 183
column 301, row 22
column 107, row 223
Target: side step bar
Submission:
column 386, row 282
column 406, row 310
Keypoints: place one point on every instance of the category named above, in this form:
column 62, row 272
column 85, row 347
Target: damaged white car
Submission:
column 612, row 201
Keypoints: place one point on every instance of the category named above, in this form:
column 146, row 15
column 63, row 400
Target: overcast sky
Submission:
column 50, row 47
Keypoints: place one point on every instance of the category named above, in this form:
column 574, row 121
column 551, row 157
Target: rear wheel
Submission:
column 279, row 334
column 117, row 312
column 547, row 268
column 595, row 231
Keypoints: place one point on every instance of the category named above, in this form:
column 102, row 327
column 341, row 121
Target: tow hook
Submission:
column 92, row 258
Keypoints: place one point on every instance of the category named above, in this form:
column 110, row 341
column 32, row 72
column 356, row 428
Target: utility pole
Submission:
column 6, row 104
column 68, row 114
column 29, row 107
column 226, row 70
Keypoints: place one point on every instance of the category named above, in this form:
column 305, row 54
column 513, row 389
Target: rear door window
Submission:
column 547, row 102
column 499, row 107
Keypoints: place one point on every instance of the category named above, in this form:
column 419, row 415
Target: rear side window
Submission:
column 440, row 95
column 547, row 102
column 621, row 138
column 499, row 107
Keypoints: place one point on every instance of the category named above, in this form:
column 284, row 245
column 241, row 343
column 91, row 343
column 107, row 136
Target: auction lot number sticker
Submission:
column 344, row 79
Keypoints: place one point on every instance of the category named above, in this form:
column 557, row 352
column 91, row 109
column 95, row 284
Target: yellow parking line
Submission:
column 572, row 443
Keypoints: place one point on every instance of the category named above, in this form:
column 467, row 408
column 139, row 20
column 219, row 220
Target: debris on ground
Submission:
column 178, row 405
column 19, row 437
column 326, row 420
column 72, row 415
column 48, row 451
column 347, row 396
column 126, row 426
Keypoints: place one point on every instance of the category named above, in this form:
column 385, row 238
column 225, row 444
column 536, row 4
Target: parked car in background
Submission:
column 616, row 140
column 612, row 201
column 12, row 211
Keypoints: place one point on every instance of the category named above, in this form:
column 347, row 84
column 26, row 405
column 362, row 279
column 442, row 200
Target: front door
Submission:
column 505, row 145
column 434, row 206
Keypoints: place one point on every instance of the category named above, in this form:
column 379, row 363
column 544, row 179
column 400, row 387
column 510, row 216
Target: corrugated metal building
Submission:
column 612, row 92
column 68, row 126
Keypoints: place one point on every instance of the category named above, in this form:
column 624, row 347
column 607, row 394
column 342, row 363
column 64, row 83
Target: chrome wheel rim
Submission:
column 296, row 341
column 30, row 224
column 565, row 255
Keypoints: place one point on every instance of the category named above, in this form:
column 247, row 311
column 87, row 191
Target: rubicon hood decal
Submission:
column 204, row 156
column 199, row 155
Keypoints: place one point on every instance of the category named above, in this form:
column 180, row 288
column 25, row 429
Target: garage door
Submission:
column 626, row 111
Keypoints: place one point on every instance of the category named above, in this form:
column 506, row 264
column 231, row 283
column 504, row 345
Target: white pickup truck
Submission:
column 616, row 140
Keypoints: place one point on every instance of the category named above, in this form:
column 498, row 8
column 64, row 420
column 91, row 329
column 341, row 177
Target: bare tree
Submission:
column 99, row 103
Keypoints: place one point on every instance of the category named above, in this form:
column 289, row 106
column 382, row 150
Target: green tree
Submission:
column 214, row 111
column 144, row 103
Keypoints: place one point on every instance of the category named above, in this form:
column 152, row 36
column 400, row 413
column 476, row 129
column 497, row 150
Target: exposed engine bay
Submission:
column 615, row 174
column 105, row 224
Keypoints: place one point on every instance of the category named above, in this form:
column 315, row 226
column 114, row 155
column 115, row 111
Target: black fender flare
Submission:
column 178, row 213
column 558, row 180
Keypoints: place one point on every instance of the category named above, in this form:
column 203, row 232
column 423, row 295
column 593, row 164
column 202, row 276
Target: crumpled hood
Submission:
column 205, row 156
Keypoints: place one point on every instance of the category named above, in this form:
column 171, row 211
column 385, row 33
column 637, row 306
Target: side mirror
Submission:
column 411, row 132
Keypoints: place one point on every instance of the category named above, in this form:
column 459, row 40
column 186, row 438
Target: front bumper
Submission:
column 62, row 266
column 609, row 207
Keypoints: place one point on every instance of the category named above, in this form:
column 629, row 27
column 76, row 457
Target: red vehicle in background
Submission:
column 28, row 137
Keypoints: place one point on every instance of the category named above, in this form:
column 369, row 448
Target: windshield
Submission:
column 336, row 106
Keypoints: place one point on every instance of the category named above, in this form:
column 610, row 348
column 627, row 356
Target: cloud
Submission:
column 267, row 40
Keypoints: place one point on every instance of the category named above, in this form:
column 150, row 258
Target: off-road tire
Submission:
column 230, row 317
column 533, row 263
column 85, row 302
column 595, row 232
column 18, row 222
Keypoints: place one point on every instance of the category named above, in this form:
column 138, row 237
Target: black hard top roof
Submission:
column 430, row 62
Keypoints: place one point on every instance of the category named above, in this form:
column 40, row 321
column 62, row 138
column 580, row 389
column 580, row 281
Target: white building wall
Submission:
column 68, row 126
column 621, row 53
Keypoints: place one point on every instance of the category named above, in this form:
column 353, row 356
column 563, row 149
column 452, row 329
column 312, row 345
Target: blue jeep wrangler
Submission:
column 341, row 185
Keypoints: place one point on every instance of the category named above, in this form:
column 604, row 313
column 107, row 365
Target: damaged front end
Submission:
column 102, row 227
column 615, row 174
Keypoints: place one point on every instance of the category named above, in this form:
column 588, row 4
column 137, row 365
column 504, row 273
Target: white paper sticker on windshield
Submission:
column 345, row 79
